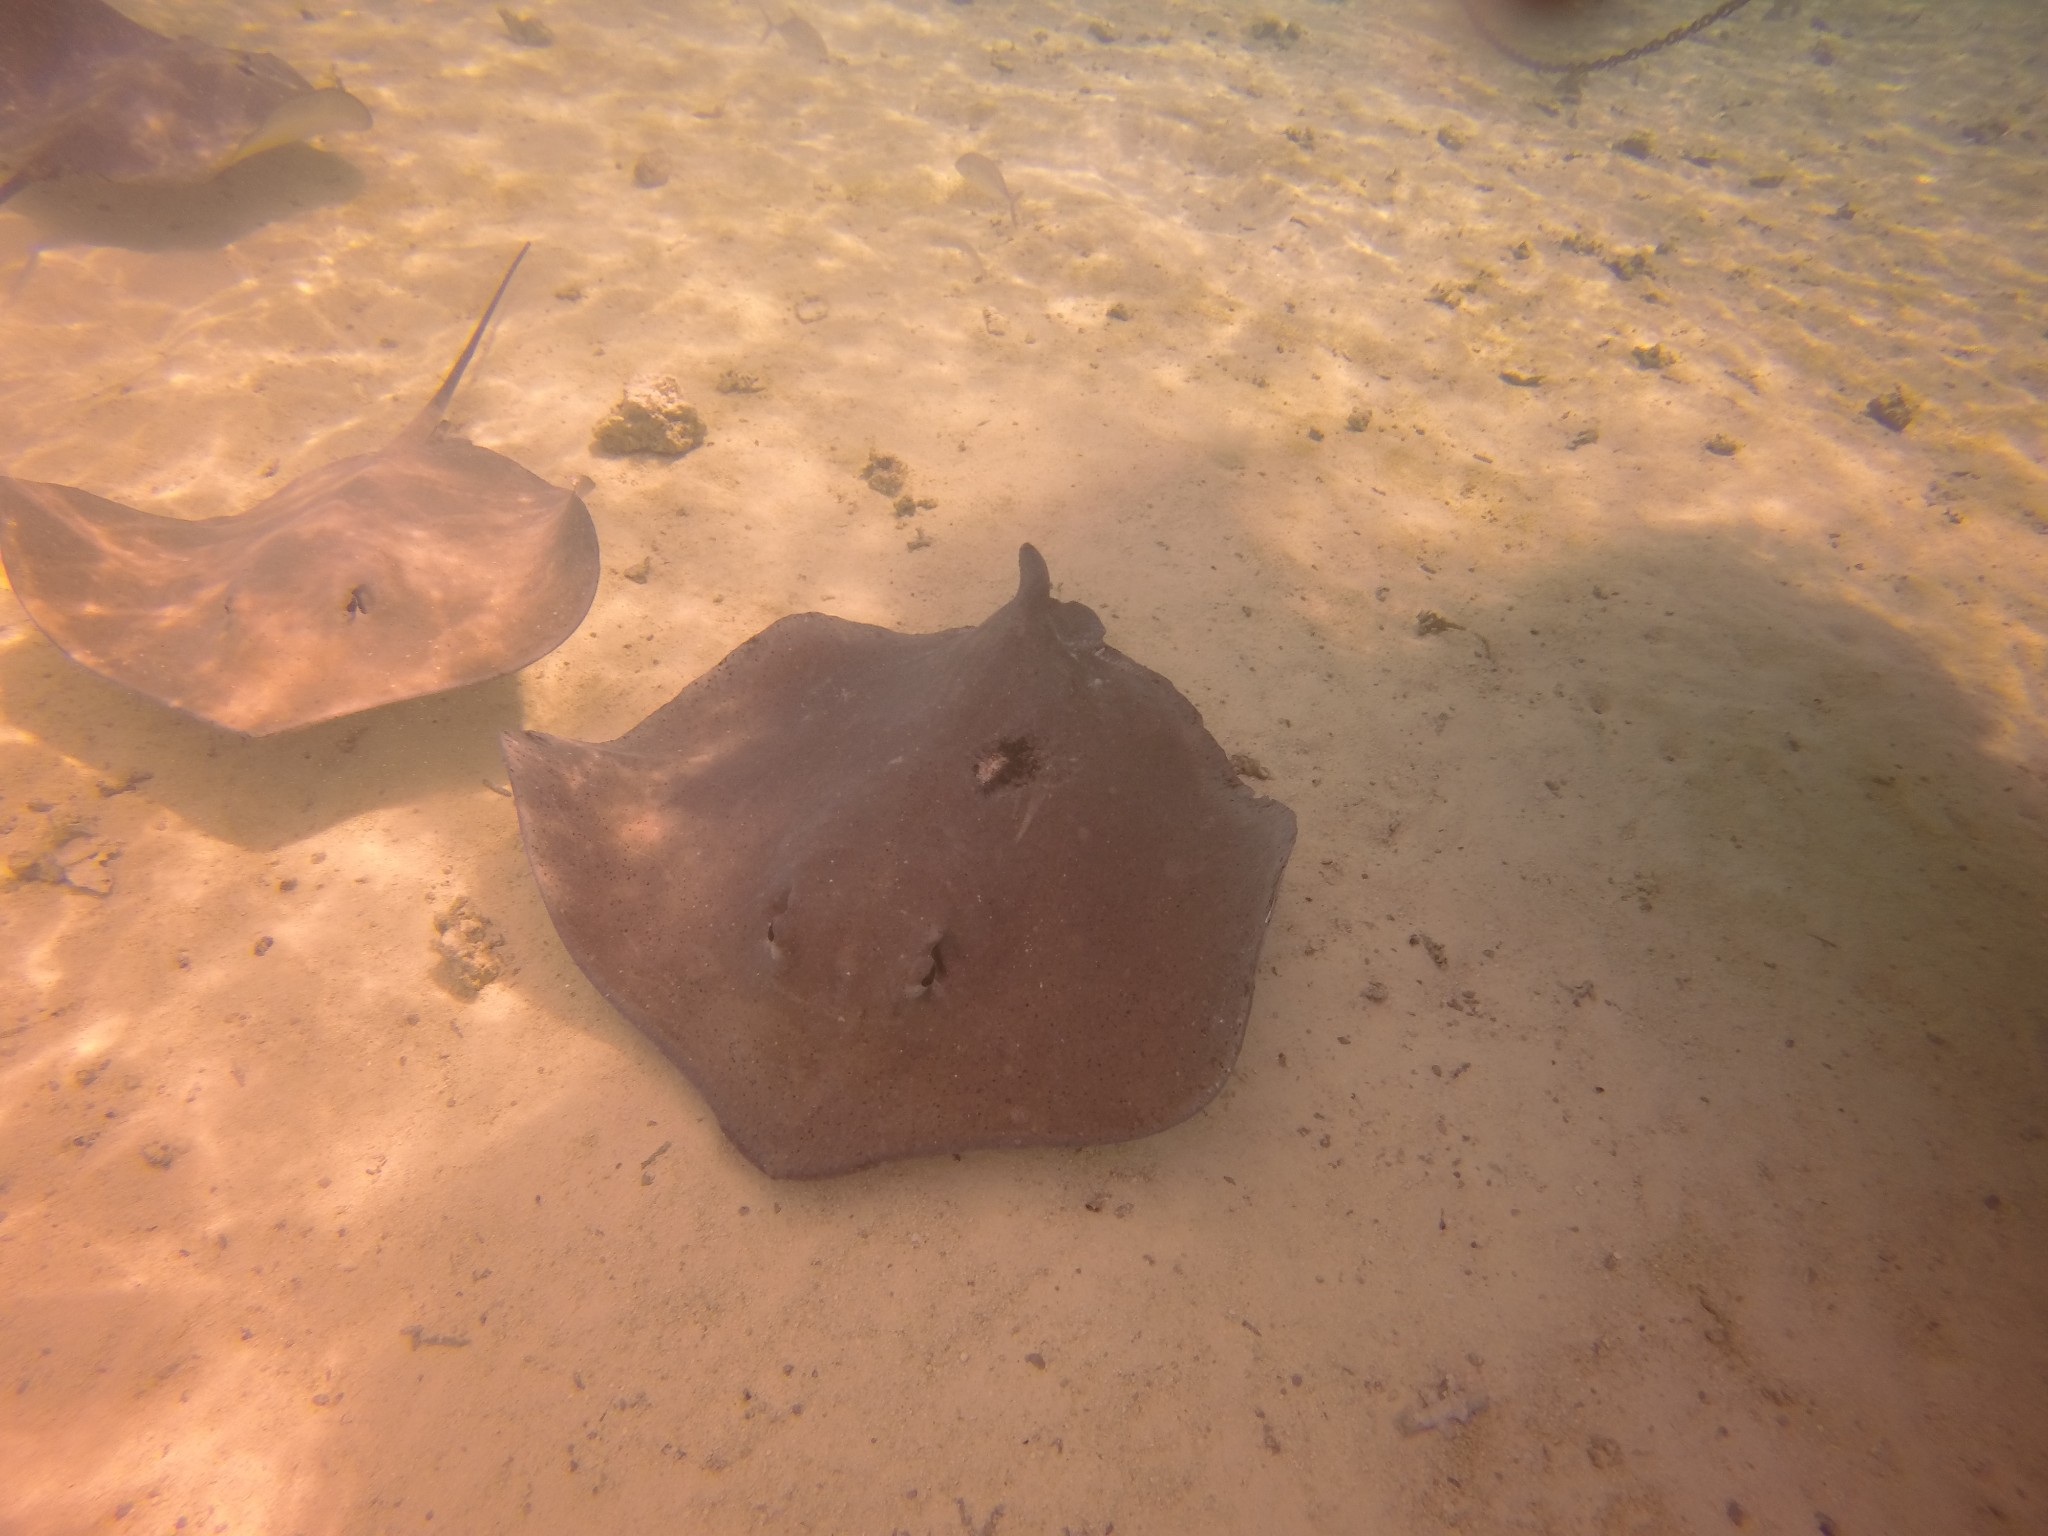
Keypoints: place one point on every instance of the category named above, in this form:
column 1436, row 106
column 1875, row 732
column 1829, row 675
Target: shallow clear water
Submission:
column 1650, row 1041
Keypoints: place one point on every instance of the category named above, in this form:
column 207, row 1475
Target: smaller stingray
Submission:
column 84, row 91
column 882, row 895
column 427, row 565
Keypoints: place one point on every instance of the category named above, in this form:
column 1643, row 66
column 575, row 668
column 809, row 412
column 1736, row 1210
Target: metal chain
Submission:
column 1720, row 12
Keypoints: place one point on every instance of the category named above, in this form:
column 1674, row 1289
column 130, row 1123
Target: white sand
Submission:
column 1711, row 1158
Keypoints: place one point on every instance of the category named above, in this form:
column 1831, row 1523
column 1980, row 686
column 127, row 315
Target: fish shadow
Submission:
column 280, row 183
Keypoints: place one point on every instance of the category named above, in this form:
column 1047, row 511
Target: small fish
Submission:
column 527, row 30
column 955, row 243
column 984, row 175
column 799, row 37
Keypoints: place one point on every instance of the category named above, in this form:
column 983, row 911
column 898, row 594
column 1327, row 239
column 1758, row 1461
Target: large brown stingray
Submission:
column 427, row 565
column 881, row 894
column 84, row 91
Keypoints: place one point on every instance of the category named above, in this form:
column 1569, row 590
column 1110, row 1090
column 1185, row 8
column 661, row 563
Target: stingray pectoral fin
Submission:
column 311, row 116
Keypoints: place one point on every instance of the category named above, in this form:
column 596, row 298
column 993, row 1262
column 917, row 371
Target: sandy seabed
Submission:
column 1643, row 1119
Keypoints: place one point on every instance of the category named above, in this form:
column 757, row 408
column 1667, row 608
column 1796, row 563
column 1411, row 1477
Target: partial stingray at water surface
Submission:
column 430, row 564
column 85, row 91
column 883, row 894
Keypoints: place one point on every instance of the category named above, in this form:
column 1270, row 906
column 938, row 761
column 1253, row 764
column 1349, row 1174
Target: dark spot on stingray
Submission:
column 460, row 566
column 949, row 968
column 1013, row 760
column 930, row 969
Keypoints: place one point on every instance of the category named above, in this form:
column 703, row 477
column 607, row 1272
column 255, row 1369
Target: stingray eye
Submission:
column 358, row 601
column 1012, row 760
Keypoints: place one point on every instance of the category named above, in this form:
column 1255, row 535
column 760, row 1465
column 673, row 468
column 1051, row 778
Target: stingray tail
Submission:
column 437, row 407
column 1034, row 579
